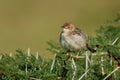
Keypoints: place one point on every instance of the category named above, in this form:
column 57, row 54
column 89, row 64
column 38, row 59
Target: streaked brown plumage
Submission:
column 72, row 38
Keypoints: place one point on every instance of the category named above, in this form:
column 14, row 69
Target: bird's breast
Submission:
column 73, row 41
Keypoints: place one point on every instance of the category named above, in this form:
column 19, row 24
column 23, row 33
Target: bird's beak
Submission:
column 62, row 26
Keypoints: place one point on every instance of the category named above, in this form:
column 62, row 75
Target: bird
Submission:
column 72, row 38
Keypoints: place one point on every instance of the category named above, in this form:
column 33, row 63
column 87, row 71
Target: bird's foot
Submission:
column 76, row 56
column 68, row 56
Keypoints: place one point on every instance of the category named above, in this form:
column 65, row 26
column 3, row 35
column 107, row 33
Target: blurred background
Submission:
column 31, row 23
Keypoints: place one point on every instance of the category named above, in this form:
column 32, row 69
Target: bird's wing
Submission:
column 78, row 37
column 79, row 32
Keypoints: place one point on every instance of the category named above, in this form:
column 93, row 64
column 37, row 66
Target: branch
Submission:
column 53, row 63
column 74, row 65
column 83, row 75
column 115, row 41
column 111, row 73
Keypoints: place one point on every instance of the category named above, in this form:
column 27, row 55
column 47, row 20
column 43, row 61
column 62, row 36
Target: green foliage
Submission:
column 95, row 66
column 24, row 67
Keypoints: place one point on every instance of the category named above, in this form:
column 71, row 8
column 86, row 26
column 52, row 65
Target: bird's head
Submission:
column 68, row 27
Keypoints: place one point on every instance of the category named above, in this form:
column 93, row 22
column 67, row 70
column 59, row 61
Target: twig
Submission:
column 111, row 73
column 115, row 41
column 34, row 78
column 95, row 54
column 74, row 75
column 26, row 70
column 53, row 63
column 115, row 76
column 43, row 60
column 36, row 56
column 28, row 52
column 10, row 54
column 102, row 69
column 113, row 44
column 83, row 75
column 26, row 66
column 81, row 56
column 102, row 53
column 73, row 62
column 0, row 57
column 111, row 61
column 86, row 61
column 74, row 65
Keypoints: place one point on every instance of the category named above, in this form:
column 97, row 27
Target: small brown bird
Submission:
column 72, row 38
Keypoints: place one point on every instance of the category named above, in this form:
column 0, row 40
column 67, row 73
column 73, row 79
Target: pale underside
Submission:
column 73, row 41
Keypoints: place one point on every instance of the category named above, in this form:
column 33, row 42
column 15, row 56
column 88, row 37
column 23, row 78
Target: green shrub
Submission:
column 95, row 66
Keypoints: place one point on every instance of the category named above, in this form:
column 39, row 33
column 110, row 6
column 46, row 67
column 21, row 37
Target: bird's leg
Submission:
column 77, row 56
column 68, row 55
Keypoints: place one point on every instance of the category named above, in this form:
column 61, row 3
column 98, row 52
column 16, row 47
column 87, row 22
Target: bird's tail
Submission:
column 90, row 48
